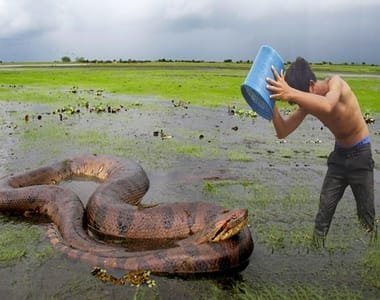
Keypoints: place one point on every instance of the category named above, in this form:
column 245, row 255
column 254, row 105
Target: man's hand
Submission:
column 279, row 88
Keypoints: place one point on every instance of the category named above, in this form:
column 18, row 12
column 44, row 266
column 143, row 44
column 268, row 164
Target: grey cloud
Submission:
column 27, row 18
column 334, row 30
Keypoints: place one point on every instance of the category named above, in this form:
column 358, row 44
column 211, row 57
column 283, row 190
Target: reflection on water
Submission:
column 82, row 187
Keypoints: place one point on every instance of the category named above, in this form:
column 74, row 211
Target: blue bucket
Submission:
column 254, row 87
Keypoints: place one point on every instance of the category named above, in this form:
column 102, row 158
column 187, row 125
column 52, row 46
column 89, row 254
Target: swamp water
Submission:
column 202, row 154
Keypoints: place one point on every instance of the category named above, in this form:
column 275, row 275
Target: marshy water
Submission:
column 190, row 154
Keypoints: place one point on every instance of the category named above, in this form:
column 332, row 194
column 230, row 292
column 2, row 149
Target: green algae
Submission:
column 22, row 241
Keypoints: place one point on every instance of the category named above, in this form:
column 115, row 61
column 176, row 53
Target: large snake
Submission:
column 206, row 237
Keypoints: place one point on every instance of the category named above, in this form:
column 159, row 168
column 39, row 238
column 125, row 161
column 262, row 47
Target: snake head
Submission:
column 224, row 226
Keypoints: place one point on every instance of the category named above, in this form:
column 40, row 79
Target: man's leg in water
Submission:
column 332, row 191
column 361, row 180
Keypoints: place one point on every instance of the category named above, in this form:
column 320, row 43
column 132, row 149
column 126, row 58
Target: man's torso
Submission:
column 346, row 121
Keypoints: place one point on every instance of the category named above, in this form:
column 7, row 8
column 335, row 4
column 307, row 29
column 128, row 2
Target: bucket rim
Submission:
column 273, row 50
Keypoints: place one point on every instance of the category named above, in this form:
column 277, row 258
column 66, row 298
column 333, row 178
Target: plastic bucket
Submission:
column 254, row 87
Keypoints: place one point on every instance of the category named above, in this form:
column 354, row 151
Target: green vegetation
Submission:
column 18, row 241
column 257, row 290
column 367, row 90
column 346, row 68
column 205, row 84
column 299, row 291
column 371, row 261
column 210, row 87
column 239, row 156
column 295, row 197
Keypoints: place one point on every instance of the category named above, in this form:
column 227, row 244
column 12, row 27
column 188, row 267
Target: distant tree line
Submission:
column 67, row 59
column 331, row 63
column 345, row 63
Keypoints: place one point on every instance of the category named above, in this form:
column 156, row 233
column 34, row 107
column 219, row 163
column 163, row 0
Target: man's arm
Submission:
column 284, row 127
column 312, row 103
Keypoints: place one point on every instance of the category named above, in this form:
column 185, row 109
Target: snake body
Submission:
column 207, row 238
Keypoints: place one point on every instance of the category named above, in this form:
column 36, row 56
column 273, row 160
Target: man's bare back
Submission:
column 345, row 120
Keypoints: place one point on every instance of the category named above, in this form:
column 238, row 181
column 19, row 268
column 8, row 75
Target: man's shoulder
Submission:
column 336, row 78
column 337, row 83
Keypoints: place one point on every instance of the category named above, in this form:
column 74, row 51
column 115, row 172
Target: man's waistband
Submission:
column 355, row 146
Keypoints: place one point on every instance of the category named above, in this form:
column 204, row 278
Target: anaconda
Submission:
column 207, row 238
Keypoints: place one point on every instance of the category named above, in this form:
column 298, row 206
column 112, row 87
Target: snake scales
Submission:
column 207, row 238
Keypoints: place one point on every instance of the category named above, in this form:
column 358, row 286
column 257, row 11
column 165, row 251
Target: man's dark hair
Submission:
column 299, row 74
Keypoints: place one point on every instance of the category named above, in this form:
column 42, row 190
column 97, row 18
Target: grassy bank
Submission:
column 202, row 84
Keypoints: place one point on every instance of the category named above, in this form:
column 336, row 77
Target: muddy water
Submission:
column 209, row 155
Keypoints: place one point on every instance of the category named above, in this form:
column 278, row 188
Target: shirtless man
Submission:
column 332, row 101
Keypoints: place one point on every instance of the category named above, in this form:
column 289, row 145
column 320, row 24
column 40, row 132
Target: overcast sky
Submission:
column 323, row 30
